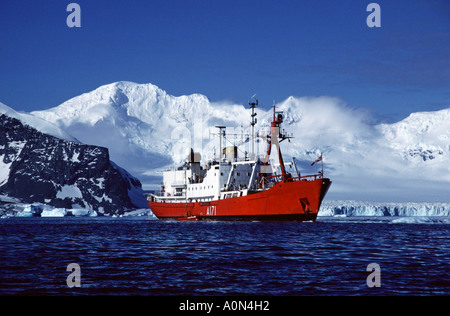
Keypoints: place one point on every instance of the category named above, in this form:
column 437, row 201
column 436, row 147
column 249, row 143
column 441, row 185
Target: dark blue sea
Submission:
column 139, row 256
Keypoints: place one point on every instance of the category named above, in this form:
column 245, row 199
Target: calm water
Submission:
column 138, row 256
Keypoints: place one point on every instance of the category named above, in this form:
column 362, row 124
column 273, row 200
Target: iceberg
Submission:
column 141, row 212
column 60, row 212
column 56, row 212
column 30, row 210
column 82, row 212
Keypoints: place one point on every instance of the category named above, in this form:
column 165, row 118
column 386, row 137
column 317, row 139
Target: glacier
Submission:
column 407, row 209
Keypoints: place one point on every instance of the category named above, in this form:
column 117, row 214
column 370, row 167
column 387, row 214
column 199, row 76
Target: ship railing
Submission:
column 275, row 176
column 279, row 177
column 165, row 199
column 308, row 177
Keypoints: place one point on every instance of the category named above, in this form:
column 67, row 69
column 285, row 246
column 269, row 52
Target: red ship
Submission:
column 240, row 189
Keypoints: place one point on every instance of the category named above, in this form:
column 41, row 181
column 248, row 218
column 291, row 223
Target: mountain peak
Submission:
column 112, row 101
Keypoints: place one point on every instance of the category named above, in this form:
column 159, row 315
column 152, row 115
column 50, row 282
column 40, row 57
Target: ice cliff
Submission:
column 357, row 208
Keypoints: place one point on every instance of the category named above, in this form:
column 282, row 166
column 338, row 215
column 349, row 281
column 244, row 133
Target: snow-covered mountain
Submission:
column 38, row 167
column 144, row 128
column 147, row 130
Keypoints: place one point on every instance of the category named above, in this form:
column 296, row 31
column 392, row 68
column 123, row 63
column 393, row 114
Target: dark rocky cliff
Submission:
column 36, row 167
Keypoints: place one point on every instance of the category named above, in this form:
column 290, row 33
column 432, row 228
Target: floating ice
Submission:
column 421, row 220
column 56, row 212
column 83, row 212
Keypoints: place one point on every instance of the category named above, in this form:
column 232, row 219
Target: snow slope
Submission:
column 38, row 123
column 147, row 130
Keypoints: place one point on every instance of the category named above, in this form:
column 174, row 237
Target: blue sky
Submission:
column 230, row 50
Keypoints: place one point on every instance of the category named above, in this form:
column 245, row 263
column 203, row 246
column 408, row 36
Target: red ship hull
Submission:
column 285, row 201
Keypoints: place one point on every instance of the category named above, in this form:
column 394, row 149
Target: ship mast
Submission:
column 253, row 103
column 221, row 133
column 275, row 137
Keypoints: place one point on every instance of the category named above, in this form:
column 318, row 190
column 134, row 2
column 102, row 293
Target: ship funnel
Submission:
column 194, row 157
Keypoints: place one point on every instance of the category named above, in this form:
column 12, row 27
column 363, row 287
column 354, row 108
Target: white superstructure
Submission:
column 227, row 178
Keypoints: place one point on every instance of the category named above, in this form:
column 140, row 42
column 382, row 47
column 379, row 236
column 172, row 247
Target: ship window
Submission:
column 238, row 174
column 221, row 173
